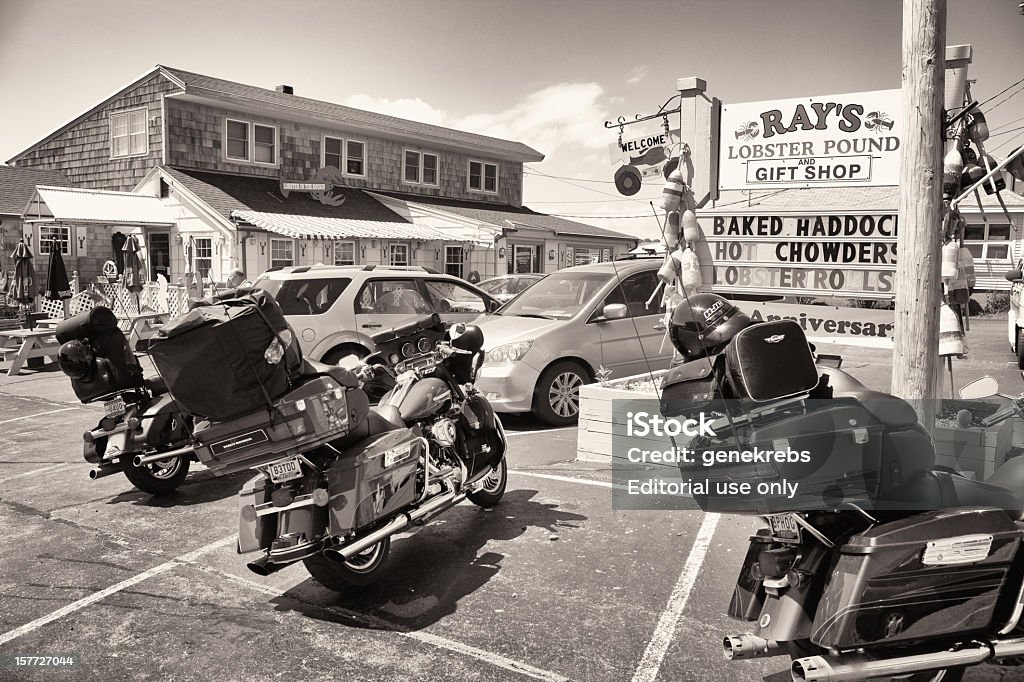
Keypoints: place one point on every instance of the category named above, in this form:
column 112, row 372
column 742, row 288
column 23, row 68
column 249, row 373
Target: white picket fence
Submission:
column 154, row 298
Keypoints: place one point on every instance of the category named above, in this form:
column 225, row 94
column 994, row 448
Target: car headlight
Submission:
column 509, row 353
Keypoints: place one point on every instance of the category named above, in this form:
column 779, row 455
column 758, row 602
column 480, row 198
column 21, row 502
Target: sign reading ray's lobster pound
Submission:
column 834, row 141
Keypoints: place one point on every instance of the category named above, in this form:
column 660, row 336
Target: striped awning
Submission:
column 313, row 227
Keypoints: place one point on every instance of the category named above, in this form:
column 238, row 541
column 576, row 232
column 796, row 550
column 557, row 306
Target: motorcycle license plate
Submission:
column 285, row 470
column 115, row 407
column 785, row 528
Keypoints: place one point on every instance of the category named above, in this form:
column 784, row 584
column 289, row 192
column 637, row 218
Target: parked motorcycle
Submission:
column 885, row 565
column 142, row 420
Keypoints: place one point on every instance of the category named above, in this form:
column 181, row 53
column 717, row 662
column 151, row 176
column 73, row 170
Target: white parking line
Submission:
column 543, row 432
column 113, row 589
column 40, row 414
column 34, row 471
column 567, row 479
column 647, row 670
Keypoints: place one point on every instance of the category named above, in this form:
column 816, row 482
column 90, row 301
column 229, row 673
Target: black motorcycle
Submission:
column 143, row 434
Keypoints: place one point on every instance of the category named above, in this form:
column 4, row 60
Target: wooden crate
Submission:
column 975, row 452
column 597, row 419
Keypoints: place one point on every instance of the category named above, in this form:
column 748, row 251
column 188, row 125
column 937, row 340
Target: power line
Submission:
column 631, row 217
column 993, row 130
column 561, row 177
column 1005, row 100
column 981, row 104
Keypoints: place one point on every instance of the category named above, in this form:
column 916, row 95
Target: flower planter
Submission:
column 974, row 451
column 594, row 439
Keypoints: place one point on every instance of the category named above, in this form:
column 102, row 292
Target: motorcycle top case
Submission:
column 374, row 479
column 318, row 411
column 228, row 357
column 931, row 575
column 770, row 361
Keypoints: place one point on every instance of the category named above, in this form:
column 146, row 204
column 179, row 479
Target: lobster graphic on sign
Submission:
column 324, row 186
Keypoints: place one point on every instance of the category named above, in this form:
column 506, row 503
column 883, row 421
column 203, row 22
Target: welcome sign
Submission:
column 835, row 141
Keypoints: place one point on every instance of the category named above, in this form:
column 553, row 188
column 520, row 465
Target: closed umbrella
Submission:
column 23, row 289
column 58, row 287
column 133, row 273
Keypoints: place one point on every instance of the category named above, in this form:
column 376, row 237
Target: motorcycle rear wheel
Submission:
column 361, row 570
column 158, row 478
column 494, row 487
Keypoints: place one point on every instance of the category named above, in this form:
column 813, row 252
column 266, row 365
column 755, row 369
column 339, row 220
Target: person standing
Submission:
column 235, row 279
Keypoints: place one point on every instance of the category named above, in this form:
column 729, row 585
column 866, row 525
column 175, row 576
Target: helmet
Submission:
column 77, row 360
column 466, row 337
column 702, row 324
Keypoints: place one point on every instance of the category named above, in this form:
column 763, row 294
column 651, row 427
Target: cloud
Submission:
column 637, row 74
column 411, row 109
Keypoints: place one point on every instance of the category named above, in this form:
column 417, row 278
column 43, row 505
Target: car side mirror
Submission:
column 980, row 388
column 614, row 311
column 1015, row 276
column 493, row 305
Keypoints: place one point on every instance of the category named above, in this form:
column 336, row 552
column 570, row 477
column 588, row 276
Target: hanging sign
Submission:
column 642, row 159
column 320, row 188
column 835, row 141
column 830, row 324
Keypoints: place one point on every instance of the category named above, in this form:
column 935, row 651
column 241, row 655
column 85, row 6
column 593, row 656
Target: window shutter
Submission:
column 81, row 239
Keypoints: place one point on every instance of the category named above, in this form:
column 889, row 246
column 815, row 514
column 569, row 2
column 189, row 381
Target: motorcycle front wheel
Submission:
column 493, row 487
column 342, row 576
column 160, row 477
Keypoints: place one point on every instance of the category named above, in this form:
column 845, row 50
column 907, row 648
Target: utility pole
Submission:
column 918, row 283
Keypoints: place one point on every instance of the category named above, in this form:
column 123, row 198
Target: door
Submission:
column 159, row 255
column 525, row 259
column 385, row 303
column 455, row 302
column 637, row 343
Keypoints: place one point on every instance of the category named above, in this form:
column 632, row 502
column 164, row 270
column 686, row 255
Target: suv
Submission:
column 552, row 338
column 335, row 309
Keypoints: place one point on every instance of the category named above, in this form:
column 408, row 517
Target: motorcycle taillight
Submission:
column 775, row 563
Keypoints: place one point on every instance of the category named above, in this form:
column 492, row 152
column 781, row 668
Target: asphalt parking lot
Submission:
column 553, row 584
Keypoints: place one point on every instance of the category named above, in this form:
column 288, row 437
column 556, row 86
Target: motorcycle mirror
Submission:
column 1014, row 275
column 980, row 388
column 614, row 311
column 349, row 361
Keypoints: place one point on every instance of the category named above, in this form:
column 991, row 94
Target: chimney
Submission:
column 286, row 89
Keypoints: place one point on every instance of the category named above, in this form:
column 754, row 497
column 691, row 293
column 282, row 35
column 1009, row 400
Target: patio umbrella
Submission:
column 58, row 287
column 24, row 285
column 133, row 273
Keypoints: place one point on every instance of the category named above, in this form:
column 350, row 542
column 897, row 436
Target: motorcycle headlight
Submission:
column 509, row 353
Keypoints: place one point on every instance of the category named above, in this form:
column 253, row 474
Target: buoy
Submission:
column 958, row 293
column 691, row 228
column 972, row 174
column 672, row 229
column 672, row 194
column 691, row 278
column 667, row 271
column 951, row 337
column 952, row 168
column 977, row 129
column 950, row 261
column 966, row 262
column 996, row 183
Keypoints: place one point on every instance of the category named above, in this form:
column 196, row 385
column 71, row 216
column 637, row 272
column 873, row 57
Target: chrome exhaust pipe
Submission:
column 1008, row 648
column 749, row 645
column 348, row 551
column 858, row 666
column 264, row 567
column 101, row 471
column 435, row 506
column 139, row 460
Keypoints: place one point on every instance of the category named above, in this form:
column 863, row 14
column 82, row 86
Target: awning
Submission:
column 67, row 204
column 314, row 227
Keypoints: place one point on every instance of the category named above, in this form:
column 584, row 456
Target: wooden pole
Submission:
column 918, row 283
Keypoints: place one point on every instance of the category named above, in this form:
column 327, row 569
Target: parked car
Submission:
column 506, row 287
column 335, row 309
column 546, row 343
column 1015, row 315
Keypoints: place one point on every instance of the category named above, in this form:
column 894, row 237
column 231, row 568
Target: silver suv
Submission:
column 335, row 309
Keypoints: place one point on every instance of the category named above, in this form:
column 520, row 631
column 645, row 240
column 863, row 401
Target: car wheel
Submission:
column 1020, row 348
column 556, row 400
column 335, row 354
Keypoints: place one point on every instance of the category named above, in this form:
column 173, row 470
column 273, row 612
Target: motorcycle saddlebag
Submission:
column 481, row 444
column 318, row 411
column 226, row 358
column 928, row 576
column 374, row 479
column 770, row 361
column 689, row 387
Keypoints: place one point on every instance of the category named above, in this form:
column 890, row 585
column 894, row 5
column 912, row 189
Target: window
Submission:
column 345, row 155
column 449, row 297
column 282, row 253
column 453, row 261
column 420, row 168
column 988, row 241
column 636, row 291
column 305, row 296
column 355, row 157
column 587, row 256
column 128, row 134
column 238, row 140
column 392, row 296
column 332, row 151
column 344, row 253
column 265, row 141
column 203, row 258
column 47, row 233
column 483, row 177
column 399, row 254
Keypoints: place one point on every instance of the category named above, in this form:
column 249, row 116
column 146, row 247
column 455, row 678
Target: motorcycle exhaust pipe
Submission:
column 139, row 460
column 749, row 645
column 1008, row 648
column 101, row 471
column 265, row 567
column 348, row 551
column 858, row 666
column 435, row 506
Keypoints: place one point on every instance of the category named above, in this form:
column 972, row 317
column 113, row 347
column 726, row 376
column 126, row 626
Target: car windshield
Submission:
column 558, row 296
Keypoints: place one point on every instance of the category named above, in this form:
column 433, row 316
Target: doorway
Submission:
column 159, row 254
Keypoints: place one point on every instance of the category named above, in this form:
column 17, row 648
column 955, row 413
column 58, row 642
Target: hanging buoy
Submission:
column 672, row 229
column 958, row 294
column 977, row 129
column 972, row 174
column 950, row 261
column 951, row 337
column 691, row 278
column 966, row 262
column 691, row 228
column 952, row 168
column 667, row 271
column 996, row 183
column 672, row 194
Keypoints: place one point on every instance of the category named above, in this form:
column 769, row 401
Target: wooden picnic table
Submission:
column 139, row 326
column 23, row 344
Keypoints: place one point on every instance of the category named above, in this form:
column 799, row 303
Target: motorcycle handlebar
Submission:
column 1000, row 416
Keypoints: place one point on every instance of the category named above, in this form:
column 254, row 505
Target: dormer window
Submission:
column 238, row 140
column 483, row 177
column 419, row 168
column 128, row 134
column 348, row 156
column 265, row 140
column 250, row 142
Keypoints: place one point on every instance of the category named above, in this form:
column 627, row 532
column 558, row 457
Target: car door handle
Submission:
column 371, row 326
column 658, row 326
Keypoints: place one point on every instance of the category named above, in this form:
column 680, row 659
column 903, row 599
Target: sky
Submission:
column 544, row 72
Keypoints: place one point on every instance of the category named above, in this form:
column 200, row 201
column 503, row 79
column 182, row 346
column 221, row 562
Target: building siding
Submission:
column 195, row 139
column 82, row 152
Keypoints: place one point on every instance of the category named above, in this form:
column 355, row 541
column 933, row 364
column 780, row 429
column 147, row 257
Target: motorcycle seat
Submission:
column 384, row 418
column 888, row 409
column 313, row 368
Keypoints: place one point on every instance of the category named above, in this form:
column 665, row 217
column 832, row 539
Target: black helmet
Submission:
column 466, row 337
column 77, row 360
column 702, row 324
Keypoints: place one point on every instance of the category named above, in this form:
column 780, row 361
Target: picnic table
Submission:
column 139, row 326
column 23, row 344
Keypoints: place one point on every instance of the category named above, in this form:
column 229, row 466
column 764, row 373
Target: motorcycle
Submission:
column 432, row 442
column 144, row 434
column 885, row 565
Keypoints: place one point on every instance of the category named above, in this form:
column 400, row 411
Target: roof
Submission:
column 306, row 227
column 227, row 194
column 502, row 215
column 833, row 199
column 18, row 184
column 100, row 206
column 230, row 91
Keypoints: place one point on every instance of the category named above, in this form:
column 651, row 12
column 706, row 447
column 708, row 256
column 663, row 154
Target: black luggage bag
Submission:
column 770, row 361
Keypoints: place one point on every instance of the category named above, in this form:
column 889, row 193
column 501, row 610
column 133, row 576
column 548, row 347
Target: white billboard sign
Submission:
column 835, row 141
